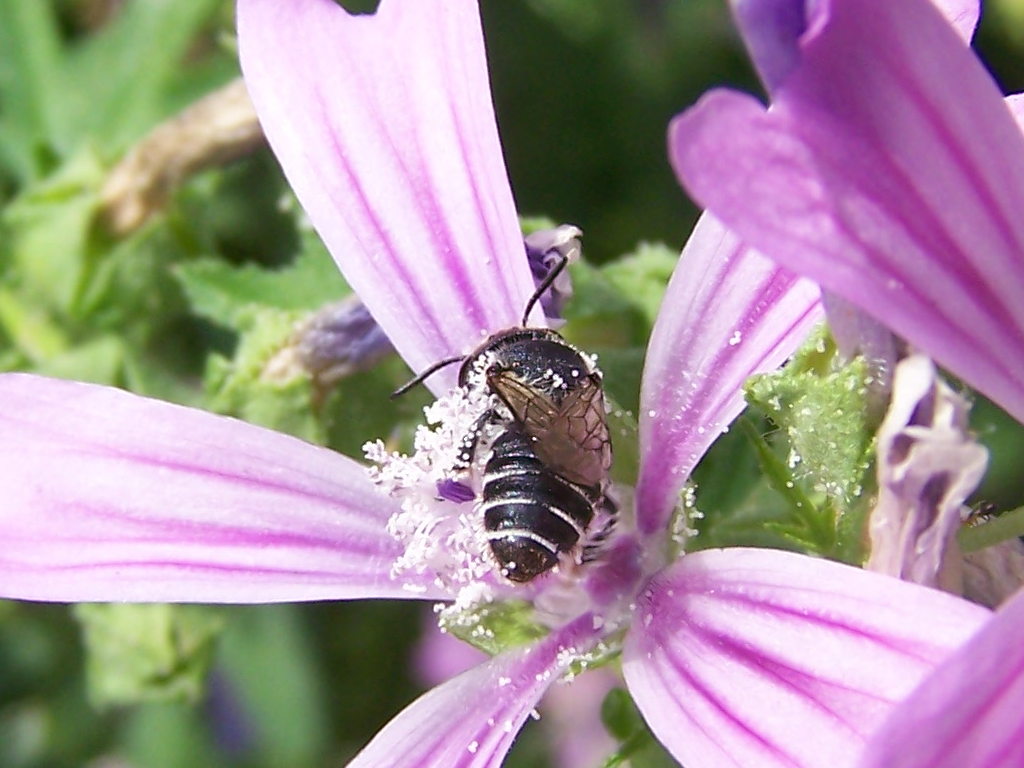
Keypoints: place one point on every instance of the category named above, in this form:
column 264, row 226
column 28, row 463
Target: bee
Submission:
column 546, row 473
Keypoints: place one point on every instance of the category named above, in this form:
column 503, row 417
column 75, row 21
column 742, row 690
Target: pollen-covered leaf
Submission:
column 147, row 652
column 495, row 627
column 822, row 408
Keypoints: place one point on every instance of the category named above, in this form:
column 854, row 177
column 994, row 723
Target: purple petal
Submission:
column 890, row 171
column 472, row 719
column 110, row 496
column 1016, row 104
column 772, row 30
column 753, row 657
column 857, row 333
column 340, row 339
column 993, row 575
column 728, row 313
column 928, row 463
column 966, row 714
column 385, row 129
column 571, row 714
column 962, row 14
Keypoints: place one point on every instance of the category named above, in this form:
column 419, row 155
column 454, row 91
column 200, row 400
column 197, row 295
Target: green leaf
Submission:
column 599, row 315
column 822, row 407
column 47, row 232
column 495, row 627
column 530, row 224
column 620, row 715
column 100, row 360
column 223, row 292
column 624, row 434
column 31, row 83
column 147, row 652
column 169, row 736
column 810, row 526
column 613, row 310
column 643, row 275
column 825, row 416
column 35, row 335
column 637, row 745
column 120, row 76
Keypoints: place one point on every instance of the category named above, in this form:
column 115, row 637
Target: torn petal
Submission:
column 928, row 464
column 385, row 129
column 745, row 657
column 110, row 496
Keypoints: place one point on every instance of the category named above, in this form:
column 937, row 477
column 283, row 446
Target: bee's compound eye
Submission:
column 522, row 559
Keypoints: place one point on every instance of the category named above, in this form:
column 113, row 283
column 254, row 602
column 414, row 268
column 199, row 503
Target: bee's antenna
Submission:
column 549, row 278
column 419, row 378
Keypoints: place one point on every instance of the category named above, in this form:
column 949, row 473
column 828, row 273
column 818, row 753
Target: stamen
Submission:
column 438, row 533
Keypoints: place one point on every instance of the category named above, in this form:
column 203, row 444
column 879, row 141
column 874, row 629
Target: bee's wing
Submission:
column 571, row 436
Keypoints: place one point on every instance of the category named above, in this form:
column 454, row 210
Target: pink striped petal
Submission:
column 385, row 129
column 962, row 14
column 109, row 496
column 472, row 719
column 754, row 657
column 966, row 714
column 890, row 171
column 728, row 313
column 772, row 30
column 1016, row 104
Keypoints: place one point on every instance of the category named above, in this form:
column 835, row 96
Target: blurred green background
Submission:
column 194, row 304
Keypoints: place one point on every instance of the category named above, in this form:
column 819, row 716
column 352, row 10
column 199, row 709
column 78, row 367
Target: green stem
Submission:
column 1007, row 526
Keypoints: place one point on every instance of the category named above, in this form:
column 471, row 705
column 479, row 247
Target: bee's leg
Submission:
column 459, row 486
column 471, row 442
column 601, row 533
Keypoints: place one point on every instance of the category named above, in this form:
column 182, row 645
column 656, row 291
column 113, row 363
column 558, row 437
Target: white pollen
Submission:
column 438, row 537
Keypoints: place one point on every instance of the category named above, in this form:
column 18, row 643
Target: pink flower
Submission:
column 889, row 169
column 385, row 129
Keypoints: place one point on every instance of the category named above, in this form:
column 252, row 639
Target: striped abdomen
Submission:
column 531, row 513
